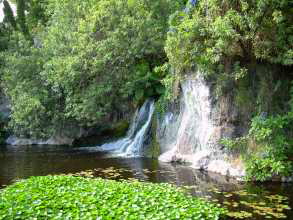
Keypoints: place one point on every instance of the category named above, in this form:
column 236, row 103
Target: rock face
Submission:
column 191, row 133
column 65, row 137
column 5, row 108
column 56, row 140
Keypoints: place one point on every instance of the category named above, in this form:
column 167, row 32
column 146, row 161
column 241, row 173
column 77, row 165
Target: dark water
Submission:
column 256, row 201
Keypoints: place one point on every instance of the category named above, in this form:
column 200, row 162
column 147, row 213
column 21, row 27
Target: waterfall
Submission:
column 197, row 125
column 192, row 134
column 194, row 129
column 132, row 144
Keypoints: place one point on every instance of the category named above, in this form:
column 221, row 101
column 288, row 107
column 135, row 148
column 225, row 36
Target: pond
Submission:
column 249, row 201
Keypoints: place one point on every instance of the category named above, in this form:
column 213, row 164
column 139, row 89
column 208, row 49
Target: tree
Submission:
column 21, row 19
column 227, row 36
column 93, row 57
column 8, row 13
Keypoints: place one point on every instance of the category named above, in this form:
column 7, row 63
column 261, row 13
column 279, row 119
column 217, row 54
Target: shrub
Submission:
column 267, row 148
column 274, row 147
column 65, row 197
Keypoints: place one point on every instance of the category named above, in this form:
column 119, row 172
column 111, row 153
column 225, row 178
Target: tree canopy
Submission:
column 224, row 36
column 91, row 58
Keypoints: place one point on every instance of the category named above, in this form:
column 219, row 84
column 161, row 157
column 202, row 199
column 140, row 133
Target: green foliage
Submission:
column 224, row 36
column 30, row 96
column 36, row 13
column 171, row 83
column 272, row 134
column 8, row 15
column 236, row 144
column 95, row 58
column 21, row 18
column 266, row 168
column 273, row 147
column 64, row 197
column 145, row 82
column 4, row 38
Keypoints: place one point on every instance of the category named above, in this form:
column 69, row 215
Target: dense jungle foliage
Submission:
column 86, row 62
column 91, row 58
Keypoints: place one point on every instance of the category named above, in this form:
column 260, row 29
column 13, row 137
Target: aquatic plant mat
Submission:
column 69, row 197
column 249, row 202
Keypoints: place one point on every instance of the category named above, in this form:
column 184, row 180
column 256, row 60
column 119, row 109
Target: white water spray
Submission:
column 132, row 144
column 195, row 127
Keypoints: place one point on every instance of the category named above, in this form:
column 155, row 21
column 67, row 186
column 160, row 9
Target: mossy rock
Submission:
column 120, row 128
column 153, row 149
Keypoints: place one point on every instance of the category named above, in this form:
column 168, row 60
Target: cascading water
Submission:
column 193, row 135
column 132, row 144
column 196, row 126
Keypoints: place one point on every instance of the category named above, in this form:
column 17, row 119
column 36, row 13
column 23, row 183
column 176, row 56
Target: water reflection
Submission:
column 22, row 162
